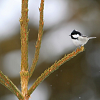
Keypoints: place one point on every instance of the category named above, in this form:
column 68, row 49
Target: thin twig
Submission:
column 4, row 80
column 53, row 68
column 38, row 43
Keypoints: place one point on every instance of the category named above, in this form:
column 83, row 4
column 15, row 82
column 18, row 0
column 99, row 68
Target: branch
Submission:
column 4, row 80
column 24, row 47
column 38, row 43
column 53, row 68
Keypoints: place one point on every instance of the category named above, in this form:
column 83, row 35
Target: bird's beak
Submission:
column 69, row 35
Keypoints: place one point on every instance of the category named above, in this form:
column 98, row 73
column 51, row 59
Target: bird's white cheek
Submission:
column 76, row 35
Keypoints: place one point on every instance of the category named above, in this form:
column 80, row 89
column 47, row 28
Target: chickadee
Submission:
column 79, row 39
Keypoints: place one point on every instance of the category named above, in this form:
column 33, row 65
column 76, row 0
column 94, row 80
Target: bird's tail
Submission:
column 91, row 37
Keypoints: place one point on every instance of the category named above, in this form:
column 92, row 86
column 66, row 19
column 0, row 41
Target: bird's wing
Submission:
column 84, row 35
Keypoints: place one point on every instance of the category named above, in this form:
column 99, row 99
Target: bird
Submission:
column 79, row 39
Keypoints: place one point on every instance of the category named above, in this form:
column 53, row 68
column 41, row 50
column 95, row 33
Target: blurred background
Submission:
column 77, row 79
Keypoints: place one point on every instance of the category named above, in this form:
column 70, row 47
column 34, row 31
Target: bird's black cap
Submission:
column 75, row 32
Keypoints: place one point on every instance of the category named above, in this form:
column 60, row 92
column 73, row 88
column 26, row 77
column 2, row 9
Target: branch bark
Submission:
column 24, row 47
